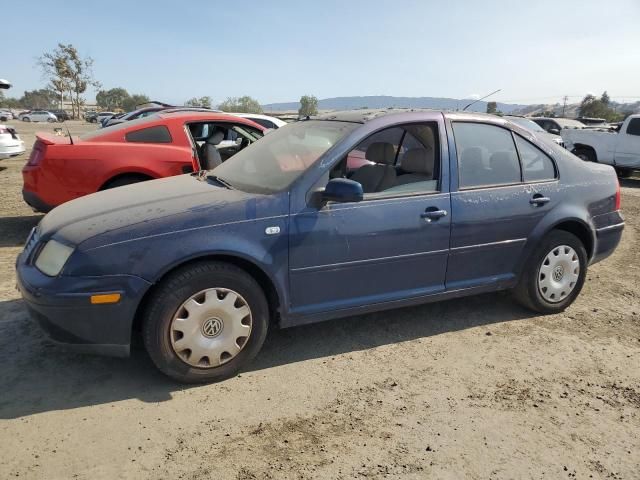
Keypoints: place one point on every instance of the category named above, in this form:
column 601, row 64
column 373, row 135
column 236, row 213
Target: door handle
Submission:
column 539, row 200
column 432, row 213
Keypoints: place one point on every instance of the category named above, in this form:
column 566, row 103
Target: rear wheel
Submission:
column 26, row 119
column 585, row 154
column 624, row 172
column 554, row 274
column 3, row 119
column 50, row 120
column 205, row 322
column 125, row 180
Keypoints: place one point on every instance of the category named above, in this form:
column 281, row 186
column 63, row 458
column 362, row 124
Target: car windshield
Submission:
column 528, row 124
column 277, row 160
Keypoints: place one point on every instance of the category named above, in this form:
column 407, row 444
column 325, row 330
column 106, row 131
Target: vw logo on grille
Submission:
column 212, row 327
column 558, row 273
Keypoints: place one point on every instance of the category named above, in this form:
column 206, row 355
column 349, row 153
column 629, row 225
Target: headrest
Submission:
column 216, row 137
column 418, row 160
column 381, row 152
column 471, row 155
column 501, row 160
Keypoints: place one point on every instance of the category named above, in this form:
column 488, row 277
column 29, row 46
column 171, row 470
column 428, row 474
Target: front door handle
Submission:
column 432, row 213
column 539, row 200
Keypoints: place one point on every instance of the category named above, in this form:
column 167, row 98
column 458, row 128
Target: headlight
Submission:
column 53, row 257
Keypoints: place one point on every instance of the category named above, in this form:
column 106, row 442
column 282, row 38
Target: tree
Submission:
column 67, row 71
column 39, row 99
column 205, row 102
column 131, row 103
column 308, row 106
column 598, row 108
column 112, row 99
column 244, row 104
column 492, row 107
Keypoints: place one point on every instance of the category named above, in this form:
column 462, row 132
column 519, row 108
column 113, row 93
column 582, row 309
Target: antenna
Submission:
column 486, row 96
column 68, row 132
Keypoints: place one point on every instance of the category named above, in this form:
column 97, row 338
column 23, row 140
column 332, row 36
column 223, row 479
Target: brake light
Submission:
column 618, row 195
column 36, row 155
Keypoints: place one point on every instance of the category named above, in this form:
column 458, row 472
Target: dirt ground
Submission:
column 474, row 388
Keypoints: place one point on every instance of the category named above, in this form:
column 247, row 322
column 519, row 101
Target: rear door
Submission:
column 505, row 185
column 628, row 146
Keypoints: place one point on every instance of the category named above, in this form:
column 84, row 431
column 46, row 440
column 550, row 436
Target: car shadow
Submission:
column 38, row 376
column 630, row 182
column 16, row 229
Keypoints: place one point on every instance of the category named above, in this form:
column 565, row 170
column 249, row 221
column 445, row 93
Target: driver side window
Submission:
column 393, row 161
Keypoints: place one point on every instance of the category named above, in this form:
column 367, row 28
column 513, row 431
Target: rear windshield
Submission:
column 120, row 126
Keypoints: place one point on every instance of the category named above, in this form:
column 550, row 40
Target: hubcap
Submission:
column 558, row 274
column 211, row 327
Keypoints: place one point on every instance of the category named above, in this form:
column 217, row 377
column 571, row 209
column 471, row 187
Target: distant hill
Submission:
column 383, row 101
column 571, row 110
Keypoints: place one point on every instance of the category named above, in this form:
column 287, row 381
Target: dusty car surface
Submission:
column 282, row 234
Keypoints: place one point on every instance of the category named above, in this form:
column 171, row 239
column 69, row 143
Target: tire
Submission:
column 166, row 303
column 125, row 180
column 529, row 291
column 93, row 120
column 585, row 154
column 3, row 119
column 26, row 119
column 51, row 120
column 623, row 172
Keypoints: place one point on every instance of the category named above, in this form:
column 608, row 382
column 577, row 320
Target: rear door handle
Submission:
column 432, row 213
column 539, row 200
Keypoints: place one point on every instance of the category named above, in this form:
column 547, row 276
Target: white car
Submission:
column 620, row 148
column 6, row 115
column 265, row 120
column 10, row 143
column 39, row 116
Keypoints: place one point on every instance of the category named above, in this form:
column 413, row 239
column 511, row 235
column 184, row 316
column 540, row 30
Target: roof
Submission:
column 364, row 116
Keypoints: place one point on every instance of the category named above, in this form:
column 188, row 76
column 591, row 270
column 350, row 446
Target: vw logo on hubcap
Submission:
column 558, row 273
column 212, row 327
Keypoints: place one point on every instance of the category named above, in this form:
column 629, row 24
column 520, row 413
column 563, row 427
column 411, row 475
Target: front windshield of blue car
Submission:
column 273, row 163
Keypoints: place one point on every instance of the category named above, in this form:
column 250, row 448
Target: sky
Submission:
column 535, row 51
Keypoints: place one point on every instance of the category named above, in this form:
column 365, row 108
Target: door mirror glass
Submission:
column 342, row 190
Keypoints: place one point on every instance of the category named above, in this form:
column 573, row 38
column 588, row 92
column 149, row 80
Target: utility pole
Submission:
column 564, row 104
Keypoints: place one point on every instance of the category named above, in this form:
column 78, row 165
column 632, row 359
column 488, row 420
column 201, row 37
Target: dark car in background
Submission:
column 61, row 115
column 283, row 234
column 554, row 125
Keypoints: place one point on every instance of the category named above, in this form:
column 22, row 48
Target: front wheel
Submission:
column 51, row 120
column 585, row 154
column 623, row 172
column 205, row 322
column 554, row 274
column 26, row 119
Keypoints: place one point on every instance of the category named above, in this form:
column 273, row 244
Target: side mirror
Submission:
column 342, row 190
column 554, row 131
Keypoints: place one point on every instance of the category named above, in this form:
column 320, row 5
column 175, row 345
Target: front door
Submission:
column 628, row 147
column 503, row 193
column 392, row 245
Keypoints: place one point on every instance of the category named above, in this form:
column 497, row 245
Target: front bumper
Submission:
column 62, row 307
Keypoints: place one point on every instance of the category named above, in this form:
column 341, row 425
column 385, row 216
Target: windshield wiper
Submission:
column 221, row 181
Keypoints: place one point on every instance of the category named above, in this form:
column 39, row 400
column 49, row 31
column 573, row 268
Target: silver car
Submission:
column 39, row 116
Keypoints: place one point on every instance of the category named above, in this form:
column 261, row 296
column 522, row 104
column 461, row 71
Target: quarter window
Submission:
column 157, row 134
column 536, row 165
column 486, row 155
column 634, row 127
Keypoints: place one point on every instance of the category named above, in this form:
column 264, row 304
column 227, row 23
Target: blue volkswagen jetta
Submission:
column 337, row 215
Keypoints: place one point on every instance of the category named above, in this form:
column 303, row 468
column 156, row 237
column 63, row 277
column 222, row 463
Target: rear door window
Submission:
column 156, row 134
column 486, row 155
column 536, row 165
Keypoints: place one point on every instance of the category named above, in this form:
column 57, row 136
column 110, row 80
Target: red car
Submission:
column 165, row 144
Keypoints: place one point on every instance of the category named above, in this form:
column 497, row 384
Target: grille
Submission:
column 30, row 245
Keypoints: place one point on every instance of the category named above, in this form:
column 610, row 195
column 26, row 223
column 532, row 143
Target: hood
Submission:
column 152, row 208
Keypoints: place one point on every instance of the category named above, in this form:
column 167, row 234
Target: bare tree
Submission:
column 68, row 72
